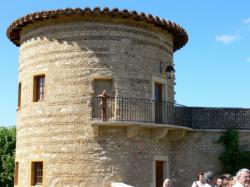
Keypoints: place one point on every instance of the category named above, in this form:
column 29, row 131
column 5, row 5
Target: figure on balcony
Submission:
column 103, row 104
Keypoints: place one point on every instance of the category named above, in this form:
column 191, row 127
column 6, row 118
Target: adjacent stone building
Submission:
column 68, row 135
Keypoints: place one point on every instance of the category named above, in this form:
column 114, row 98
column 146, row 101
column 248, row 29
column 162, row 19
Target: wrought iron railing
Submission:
column 160, row 112
column 219, row 118
column 140, row 110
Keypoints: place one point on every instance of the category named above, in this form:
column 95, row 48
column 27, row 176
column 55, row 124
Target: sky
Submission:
column 212, row 69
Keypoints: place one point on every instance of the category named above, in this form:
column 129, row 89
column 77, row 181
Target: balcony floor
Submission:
column 158, row 131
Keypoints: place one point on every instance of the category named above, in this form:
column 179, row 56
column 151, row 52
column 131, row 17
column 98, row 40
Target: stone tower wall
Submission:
column 57, row 131
column 73, row 48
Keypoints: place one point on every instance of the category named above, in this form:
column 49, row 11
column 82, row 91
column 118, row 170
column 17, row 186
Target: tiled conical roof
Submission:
column 180, row 36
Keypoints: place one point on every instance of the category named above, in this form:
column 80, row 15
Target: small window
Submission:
column 36, row 173
column 16, row 173
column 19, row 95
column 39, row 88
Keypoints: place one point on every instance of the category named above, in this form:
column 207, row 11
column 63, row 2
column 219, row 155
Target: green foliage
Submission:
column 7, row 155
column 233, row 158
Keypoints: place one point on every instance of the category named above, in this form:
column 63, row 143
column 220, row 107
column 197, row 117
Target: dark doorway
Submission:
column 159, row 173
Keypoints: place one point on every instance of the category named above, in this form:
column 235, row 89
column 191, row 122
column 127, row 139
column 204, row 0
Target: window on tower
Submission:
column 16, row 173
column 36, row 173
column 39, row 88
column 19, row 95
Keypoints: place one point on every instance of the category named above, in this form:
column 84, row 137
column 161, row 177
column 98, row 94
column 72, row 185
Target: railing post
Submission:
column 122, row 110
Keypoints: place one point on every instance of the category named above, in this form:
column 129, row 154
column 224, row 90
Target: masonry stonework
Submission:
column 58, row 131
column 75, row 47
column 199, row 151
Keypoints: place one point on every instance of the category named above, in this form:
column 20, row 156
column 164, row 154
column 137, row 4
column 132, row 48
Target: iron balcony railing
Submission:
column 139, row 110
column 150, row 111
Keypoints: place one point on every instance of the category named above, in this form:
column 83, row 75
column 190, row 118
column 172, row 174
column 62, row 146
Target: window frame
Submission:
column 36, row 168
column 39, row 88
column 16, row 173
column 19, row 101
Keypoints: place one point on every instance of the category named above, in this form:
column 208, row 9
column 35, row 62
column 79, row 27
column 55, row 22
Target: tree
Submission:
column 7, row 155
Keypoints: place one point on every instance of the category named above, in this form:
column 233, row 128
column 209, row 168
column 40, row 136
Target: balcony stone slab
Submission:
column 158, row 131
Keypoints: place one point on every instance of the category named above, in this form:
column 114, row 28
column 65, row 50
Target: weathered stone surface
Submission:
column 198, row 151
column 57, row 131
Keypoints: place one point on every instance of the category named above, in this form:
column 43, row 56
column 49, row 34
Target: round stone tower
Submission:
column 68, row 133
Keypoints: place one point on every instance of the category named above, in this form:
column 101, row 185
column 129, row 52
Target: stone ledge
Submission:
column 158, row 131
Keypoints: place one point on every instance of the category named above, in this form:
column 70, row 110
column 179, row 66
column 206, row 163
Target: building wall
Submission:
column 198, row 151
column 57, row 131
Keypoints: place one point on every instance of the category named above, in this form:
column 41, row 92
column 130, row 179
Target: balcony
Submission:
column 166, row 118
column 163, row 118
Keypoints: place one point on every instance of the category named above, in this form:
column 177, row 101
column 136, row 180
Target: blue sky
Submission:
column 211, row 70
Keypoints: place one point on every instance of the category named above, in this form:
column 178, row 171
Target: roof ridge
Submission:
column 179, row 34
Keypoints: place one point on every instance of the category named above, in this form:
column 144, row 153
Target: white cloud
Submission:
column 247, row 21
column 248, row 59
column 242, row 32
column 247, row 24
column 226, row 39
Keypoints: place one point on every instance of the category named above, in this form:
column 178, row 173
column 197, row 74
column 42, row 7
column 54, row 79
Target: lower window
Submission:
column 16, row 173
column 36, row 173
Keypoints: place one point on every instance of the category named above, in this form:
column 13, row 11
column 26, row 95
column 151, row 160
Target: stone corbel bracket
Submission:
column 175, row 135
column 159, row 133
column 132, row 132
